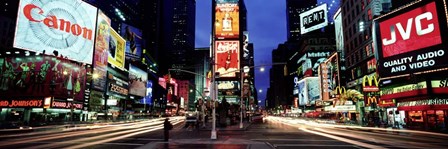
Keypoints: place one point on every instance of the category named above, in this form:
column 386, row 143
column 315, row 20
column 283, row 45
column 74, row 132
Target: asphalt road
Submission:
column 281, row 133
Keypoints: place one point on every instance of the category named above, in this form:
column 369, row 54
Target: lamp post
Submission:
column 241, row 99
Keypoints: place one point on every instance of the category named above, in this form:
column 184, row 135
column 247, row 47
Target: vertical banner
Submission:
column 227, row 20
column 227, row 58
column 101, row 50
column 313, row 90
column 116, row 50
column 246, row 52
column 329, row 76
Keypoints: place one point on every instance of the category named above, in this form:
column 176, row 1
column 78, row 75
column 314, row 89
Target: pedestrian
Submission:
column 167, row 126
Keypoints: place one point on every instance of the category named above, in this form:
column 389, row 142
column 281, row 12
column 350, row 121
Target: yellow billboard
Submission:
column 116, row 50
column 227, row 20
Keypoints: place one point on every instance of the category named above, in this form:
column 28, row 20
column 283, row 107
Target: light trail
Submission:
column 73, row 134
column 159, row 125
column 117, row 138
column 343, row 139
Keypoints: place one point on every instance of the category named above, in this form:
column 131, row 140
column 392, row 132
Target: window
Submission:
column 363, row 6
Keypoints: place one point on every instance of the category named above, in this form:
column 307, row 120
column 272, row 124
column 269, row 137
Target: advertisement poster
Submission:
column 421, row 32
column 410, row 40
column 42, row 76
column 314, row 19
column 227, row 20
column 148, row 98
column 313, row 90
column 246, row 52
column 329, row 76
column 101, row 50
column 227, row 58
column 118, row 86
column 134, row 41
column 116, row 50
column 57, row 26
column 137, row 81
column 303, row 93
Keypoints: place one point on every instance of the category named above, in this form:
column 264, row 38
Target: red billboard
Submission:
column 41, row 76
column 410, row 40
column 227, row 56
column 410, row 31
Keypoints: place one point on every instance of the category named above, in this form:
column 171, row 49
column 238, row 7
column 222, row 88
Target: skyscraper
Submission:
column 293, row 10
column 177, row 36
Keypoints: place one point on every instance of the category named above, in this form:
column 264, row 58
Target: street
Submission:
column 281, row 133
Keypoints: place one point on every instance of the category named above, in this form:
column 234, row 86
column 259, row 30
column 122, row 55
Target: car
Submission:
column 191, row 119
column 257, row 118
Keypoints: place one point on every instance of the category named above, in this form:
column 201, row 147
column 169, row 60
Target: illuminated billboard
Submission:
column 116, row 49
column 137, row 81
column 65, row 26
column 309, row 91
column 134, row 41
column 227, row 58
column 329, row 76
column 410, row 39
column 42, row 76
column 227, row 20
column 246, row 51
column 148, row 98
column 101, row 50
column 314, row 19
column 303, row 95
column 226, row 1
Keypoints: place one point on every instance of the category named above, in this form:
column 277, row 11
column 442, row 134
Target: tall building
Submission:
column 177, row 26
column 201, row 83
column 293, row 10
column 8, row 14
column 278, row 94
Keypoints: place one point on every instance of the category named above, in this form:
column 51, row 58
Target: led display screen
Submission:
column 137, row 81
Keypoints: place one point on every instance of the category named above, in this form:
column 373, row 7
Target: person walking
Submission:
column 167, row 126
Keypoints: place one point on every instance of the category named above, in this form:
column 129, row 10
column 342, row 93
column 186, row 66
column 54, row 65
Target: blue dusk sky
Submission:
column 267, row 28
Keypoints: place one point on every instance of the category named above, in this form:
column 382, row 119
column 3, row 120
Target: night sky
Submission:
column 267, row 28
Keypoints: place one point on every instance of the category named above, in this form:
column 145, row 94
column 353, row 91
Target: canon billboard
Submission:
column 65, row 26
column 410, row 39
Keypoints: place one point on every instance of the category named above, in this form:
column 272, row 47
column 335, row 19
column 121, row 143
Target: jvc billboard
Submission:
column 410, row 39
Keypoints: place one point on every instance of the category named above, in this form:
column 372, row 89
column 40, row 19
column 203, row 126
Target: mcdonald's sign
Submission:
column 372, row 84
column 370, row 100
column 339, row 90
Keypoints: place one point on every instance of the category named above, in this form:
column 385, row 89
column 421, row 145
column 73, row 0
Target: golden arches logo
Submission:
column 373, row 83
column 339, row 90
column 371, row 100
